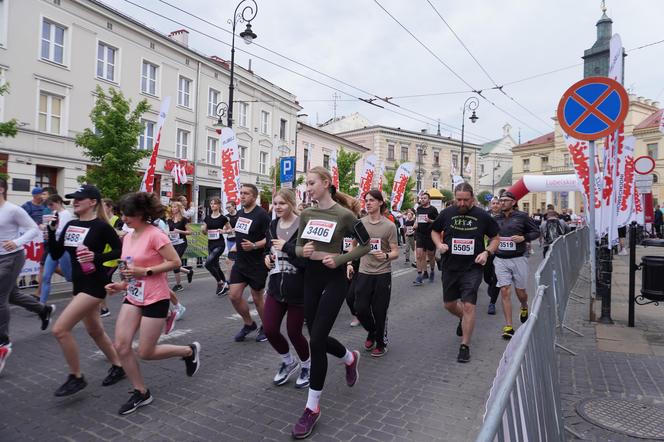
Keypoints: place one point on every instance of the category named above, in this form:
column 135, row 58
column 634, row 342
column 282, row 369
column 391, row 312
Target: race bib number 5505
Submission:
column 319, row 230
column 461, row 246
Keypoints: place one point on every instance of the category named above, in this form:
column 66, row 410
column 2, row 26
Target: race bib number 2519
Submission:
column 319, row 230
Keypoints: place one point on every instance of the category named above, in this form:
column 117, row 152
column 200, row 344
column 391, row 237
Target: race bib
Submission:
column 75, row 235
column 423, row 218
column 462, row 246
column 506, row 244
column 136, row 290
column 174, row 236
column 319, row 230
column 243, row 225
column 348, row 243
column 213, row 235
column 409, row 230
column 375, row 244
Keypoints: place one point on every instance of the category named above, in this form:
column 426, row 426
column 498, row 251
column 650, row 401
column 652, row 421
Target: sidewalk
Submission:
column 613, row 389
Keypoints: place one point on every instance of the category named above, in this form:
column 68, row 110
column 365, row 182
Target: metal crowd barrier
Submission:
column 524, row 402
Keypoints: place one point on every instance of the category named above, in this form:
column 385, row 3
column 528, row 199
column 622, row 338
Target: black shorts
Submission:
column 93, row 285
column 158, row 310
column 253, row 274
column 462, row 285
column 180, row 249
column 424, row 241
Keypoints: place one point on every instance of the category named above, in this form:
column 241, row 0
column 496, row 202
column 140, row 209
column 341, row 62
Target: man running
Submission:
column 489, row 269
column 13, row 220
column 424, row 251
column 458, row 234
column 249, row 268
column 516, row 228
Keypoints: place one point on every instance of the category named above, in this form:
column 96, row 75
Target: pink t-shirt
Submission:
column 145, row 253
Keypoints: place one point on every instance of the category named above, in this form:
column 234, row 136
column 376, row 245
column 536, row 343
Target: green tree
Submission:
column 388, row 183
column 112, row 144
column 447, row 195
column 481, row 197
column 7, row 128
column 346, row 165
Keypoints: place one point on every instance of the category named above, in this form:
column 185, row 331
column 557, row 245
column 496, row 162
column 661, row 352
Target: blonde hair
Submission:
column 289, row 196
column 345, row 200
column 180, row 213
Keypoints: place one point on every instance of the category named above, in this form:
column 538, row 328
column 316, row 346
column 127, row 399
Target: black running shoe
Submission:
column 115, row 375
column 193, row 362
column 425, row 275
column 177, row 288
column 459, row 330
column 222, row 288
column 45, row 315
column 244, row 331
column 190, row 275
column 136, row 400
column 464, row 354
column 72, row 386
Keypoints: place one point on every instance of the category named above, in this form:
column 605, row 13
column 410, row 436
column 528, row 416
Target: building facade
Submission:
column 55, row 53
column 650, row 142
column 494, row 161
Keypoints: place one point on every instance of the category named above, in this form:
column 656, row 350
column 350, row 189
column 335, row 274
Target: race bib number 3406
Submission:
column 319, row 230
column 461, row 246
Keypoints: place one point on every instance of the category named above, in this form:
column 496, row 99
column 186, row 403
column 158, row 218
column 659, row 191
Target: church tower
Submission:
column 596, row 59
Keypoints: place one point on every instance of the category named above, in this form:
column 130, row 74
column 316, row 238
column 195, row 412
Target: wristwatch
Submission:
column 149, row 272
column 387, row 256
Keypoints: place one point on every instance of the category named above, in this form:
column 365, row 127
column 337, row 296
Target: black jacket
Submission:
column 288, row 285
column 518, row 223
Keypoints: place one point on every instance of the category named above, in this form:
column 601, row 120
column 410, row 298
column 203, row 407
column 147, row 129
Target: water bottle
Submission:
column 86, row 267
column 129, row 261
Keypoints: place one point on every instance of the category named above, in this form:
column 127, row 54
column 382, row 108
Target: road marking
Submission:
column 402, row 272
column 237, row 317
column 172, row 335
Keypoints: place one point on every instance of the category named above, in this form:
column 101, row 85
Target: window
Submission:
column 3, row 24
column 244, row 113
column 282, row 129
column 390, row 151
column 213, row 100
column 545, row 163
column 652, row 150
column 567, row 161
column 146, row 138
column 455, row 161
column 243, row 158
column 434, row 183
column 106, row 61
column 182, row 144
column 655, row 179
column 306, row 159
column 481, row 169
column 526, row 207
column 265, row 122
column 262, row 163
column 184, row 92
column 526, row 165
column 404, row 153
column 436, row 158
column 326, row 161
column 149, row 78
column 212, row 151
column 46, row 176
column 53, row 42
column 50, row 113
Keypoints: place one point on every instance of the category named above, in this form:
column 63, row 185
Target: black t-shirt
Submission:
column 180, row 225
column 232, row 219
column 464, row 235
column 566, row 218
column 407, row 224
column 424, row 228
column 252, row 226
column 217, row 223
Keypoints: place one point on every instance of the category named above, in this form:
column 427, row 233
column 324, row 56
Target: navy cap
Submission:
column 85, row 191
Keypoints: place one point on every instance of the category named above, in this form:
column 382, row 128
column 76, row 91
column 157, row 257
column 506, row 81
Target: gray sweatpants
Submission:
column 10, row 268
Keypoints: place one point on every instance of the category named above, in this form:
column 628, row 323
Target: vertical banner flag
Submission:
column 334, row 167
column 624, row 183
column 381, row 174
column 580, row 152
column 367, row 177
column 230, row 167
column 614, row 169
column 469, row 169
column 401, row 177
column 147, row 185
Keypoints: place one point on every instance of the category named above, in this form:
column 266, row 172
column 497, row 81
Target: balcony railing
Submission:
column 556, row 170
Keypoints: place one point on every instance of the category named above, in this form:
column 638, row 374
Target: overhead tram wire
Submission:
column 431, row 122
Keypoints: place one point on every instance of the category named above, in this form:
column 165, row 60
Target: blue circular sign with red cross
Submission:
column 593, row 108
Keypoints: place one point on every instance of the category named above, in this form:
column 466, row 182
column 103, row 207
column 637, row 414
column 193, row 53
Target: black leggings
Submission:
column 350, row 295
column 491, row 280
column 180, row 249
column 212, row 262
column 324, row 294
column 372, row 299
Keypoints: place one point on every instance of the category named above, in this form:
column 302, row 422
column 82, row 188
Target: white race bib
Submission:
column 506, row 244
column 319, row 230
column 75, row 235
column 136, row 290
column 375, row 244
column 409, row 230
column 463, row 246
column 213, row 235
column 243, row 225
column 175, row 238
column 348, row 243
column 423, row 218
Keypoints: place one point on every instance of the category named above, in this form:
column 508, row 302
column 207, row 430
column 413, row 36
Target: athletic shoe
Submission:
column 378, row 352
column 369, row 344
column 623, row 252
column 250, row 299
column 464, row 354
column 432, row 276
column 179, row 311
column 177, row 288
column 21, row 284
column 285, row 372
column 193, row 362
column 303, row 379
column 352, row 373
column 73, row 385
column 414, row 265
column 355, row 322
column 492, row 309
column 508, row 332
column 407, row 261
column 222, row 289
column 425, row 275
column 45, row 315
column 115, row 375
column 305, row 424
column 170, row 321
column 136, row 400
column 523, row 314
column 190, row 275
column 5, row 351
column 33, row 283
column 244, row 331
column 418, row 280
column 459, row 330
column 260, row 336
column 104, row 313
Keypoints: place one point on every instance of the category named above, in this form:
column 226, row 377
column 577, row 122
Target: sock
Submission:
column 348, row 358
column 306, row 364
column 287, row 358
column 419, row 273
column 313, row 399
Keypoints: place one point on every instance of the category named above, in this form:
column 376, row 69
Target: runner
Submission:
column 551, row 228
column 321, row 233
column 489, row 269
column 213, row 226
column 409, row 231
column 249, row 268
column 516, row 228
column 56, row 204
column 178, row 226
column 84, row 239
column 374, row 281
column 111, row 266
column 458, row 234
column 285, row 292
column 13, row 220
column 424, row 252
column 147, row 256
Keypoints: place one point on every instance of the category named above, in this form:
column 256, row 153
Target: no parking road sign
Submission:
column 593, row 108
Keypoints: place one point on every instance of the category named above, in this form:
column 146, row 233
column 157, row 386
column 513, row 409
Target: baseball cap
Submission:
column 37, row 190
column 85, row 191
column 509, row 195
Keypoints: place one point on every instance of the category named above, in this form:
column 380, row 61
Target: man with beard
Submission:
column 458, row 234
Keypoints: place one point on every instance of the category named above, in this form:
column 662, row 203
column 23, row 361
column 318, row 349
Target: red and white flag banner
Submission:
column 381, row 174
column 334, row 167
column 147, row 184
column 367, row 177
column 401, row 177
column 230, row 167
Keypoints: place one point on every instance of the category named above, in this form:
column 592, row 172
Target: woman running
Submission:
column 57, row 205
column 179, row 229
column 374, row 281
column 147, row 257
column 285, row 292
column 214, row 225
column 84, row 239
column 320, row 239
column 409, row 227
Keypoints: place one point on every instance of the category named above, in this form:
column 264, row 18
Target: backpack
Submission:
column 553, row 230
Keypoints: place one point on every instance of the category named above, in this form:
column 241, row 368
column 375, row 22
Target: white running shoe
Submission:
column 285, row 372
column 179, row 312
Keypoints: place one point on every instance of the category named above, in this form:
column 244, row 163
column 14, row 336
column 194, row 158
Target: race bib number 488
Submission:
column 75, row 235
column 319, row 230
column 461, row 246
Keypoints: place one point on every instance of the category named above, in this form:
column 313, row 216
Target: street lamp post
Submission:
column 493, row 176
column 420, row 153
column 247, row 12
column 471, row 104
